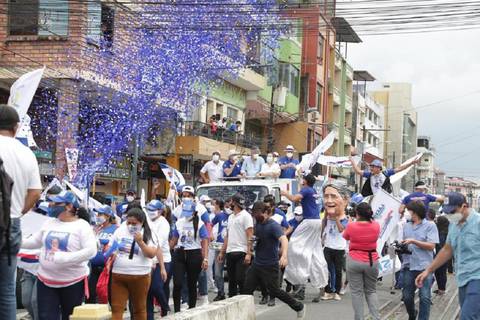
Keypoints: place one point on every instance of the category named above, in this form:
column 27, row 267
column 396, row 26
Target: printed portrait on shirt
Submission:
column 126, row 245
column 56, row 241
column 186, row 236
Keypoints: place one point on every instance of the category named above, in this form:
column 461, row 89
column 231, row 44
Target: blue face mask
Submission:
column 188, row 207
column 55, row 211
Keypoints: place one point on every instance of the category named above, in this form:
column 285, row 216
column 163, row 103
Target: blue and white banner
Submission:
column 338, row 162
column 173, row 175
column 385, row 212
column 309, row 160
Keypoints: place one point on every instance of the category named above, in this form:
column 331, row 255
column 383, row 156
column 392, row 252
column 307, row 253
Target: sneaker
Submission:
column 264, row 300
column 219, row 297
column 184, row 306
column 271, row 302
column 343, row 290
column 337, row 297
column 202, row 300
column 327, row 296
column 301, row 314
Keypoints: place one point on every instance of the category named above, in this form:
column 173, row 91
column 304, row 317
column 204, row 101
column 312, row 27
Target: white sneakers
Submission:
column 301, row 314
column 331, row 296
column 202, row 301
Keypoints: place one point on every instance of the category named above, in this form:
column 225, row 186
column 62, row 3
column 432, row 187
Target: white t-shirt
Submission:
column 333, row 238
column 215, row 171
column 185, row 233
column 161, row 228
column 139, row 264
column 21, row 165
column 237, row 237
column 270, row 169
column 66, row 248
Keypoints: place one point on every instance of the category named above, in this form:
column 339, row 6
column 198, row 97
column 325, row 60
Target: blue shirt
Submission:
column 465, row 242
column 236, row 171
column 222, row 220
column 103, row 237
column 294, row 224
column 281, row 218
column 420, row 258
column 309, row 203
column 420, row 196
column 251, row 167
column 267, row 237
column 288, row 173
column 233, row 127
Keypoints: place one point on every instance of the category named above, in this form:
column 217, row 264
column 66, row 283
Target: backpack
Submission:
column 6, row 185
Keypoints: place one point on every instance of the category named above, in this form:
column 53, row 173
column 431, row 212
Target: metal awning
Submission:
column 344, row 32
column 363, row 76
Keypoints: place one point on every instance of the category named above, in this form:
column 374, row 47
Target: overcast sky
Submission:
column 440, row 66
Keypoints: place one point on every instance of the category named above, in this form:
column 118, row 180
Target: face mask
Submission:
column 100, row 220
column 228, row 211
column 407, row 216
column 254, row 156
column 215, row 157
column 289, row 154
column 130, row 198
column 152, row 214
column 133, row 229
column 55, row 211
column 209, row 207
column 269, row 159
column 275, row 159
column 299, row 218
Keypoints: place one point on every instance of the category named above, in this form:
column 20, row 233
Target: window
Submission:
column 319, row 96
column 232, row 113
column 100, row 23
column 38, row 17
column 290, row 77
column 320, row 50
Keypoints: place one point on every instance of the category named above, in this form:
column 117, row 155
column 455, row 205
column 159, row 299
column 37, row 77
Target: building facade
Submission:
column 426, row 167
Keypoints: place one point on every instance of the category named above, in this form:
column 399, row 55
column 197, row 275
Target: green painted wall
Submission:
column 230, row 94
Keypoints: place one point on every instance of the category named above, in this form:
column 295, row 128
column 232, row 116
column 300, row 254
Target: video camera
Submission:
column 400, row 248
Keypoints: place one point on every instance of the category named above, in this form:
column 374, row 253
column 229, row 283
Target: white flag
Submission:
column 309, row 160
column 385, row 212
column 339, row 162
column 399, row 175
column 71, row 155
column 25, row 132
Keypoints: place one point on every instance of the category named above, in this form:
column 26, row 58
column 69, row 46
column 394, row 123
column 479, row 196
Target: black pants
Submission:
column 268, row 276
column 441, row 277
column 334, row 260
column 186, row 262
column 58, row 303
column 236, row 270
column 92, row 283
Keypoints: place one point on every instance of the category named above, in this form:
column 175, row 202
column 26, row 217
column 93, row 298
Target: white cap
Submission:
column 289, row 148
column 188, row 189
column 233, row 152
column 298, row 211
column 205, row 198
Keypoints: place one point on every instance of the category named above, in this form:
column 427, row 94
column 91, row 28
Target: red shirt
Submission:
column 363, row 237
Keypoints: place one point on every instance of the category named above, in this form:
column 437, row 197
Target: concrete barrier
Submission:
column 91, row 312
column 236, row 308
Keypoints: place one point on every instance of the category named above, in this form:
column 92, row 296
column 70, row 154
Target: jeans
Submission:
column 409, row 288
column 268, row 276
column 441, row 277
column 129, row 287
column 203, row 283
column 92, row 283
column 334, row 260
column 236, row 272
column 363, row 281
column 469, row 296
column 219, row 281
column 29, row 294
column 56, row 302
column 157, row 291
column 187, row 262
column 8, row 301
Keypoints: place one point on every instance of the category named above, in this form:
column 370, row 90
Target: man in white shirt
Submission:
column 237, row 245
column 270, row 169
column 212, row 171
column 20, row 164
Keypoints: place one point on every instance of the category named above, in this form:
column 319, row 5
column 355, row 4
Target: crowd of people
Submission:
column 129, row 254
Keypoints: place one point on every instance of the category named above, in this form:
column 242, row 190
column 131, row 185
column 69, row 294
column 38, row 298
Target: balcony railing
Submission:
column 197, row 128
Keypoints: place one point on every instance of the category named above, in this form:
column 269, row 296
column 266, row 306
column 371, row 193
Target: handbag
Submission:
column 103, row 284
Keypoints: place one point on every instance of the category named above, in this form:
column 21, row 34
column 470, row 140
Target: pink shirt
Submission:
column 363, row 238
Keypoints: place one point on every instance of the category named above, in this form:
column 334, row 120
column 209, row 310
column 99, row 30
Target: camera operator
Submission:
column 421, row 236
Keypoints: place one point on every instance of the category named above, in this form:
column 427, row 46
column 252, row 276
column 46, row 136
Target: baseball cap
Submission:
column 289, row 148
column 452, row 201
column 205, row 198
column 232, row 152
column 8, row 117
column 276, row 154
column 105, row 209
column 420, row 185
column 283, row 203
column 376, row 163
column 239, row 200
column 298, row 211
column 189, row 189
column 65, row 197
column 155, row 205
column 131, row 191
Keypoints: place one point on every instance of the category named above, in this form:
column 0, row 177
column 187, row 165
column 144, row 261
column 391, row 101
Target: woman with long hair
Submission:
column 362, row 261
column 66, row 244
column 132, row 266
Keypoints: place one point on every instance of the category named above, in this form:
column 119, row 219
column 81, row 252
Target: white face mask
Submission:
column 269, row 159
column 299, row 218
column 228, row 211
column 254, row 156
column 134, row 228
column 152, row 214
column 130, row 198
column 289, row 154
column 209, row 206
column 275, row 159
column 215, row 157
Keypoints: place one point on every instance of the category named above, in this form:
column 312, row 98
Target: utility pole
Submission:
column 271, row 117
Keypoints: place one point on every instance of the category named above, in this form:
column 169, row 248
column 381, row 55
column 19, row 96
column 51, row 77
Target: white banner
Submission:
column 385, row 212
column 385, row 265
column 54, row 182
column 24, row 132
column 309, row 160
column 338, row 162
column 81, row 195
column 71, row 155
column 399, row 175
